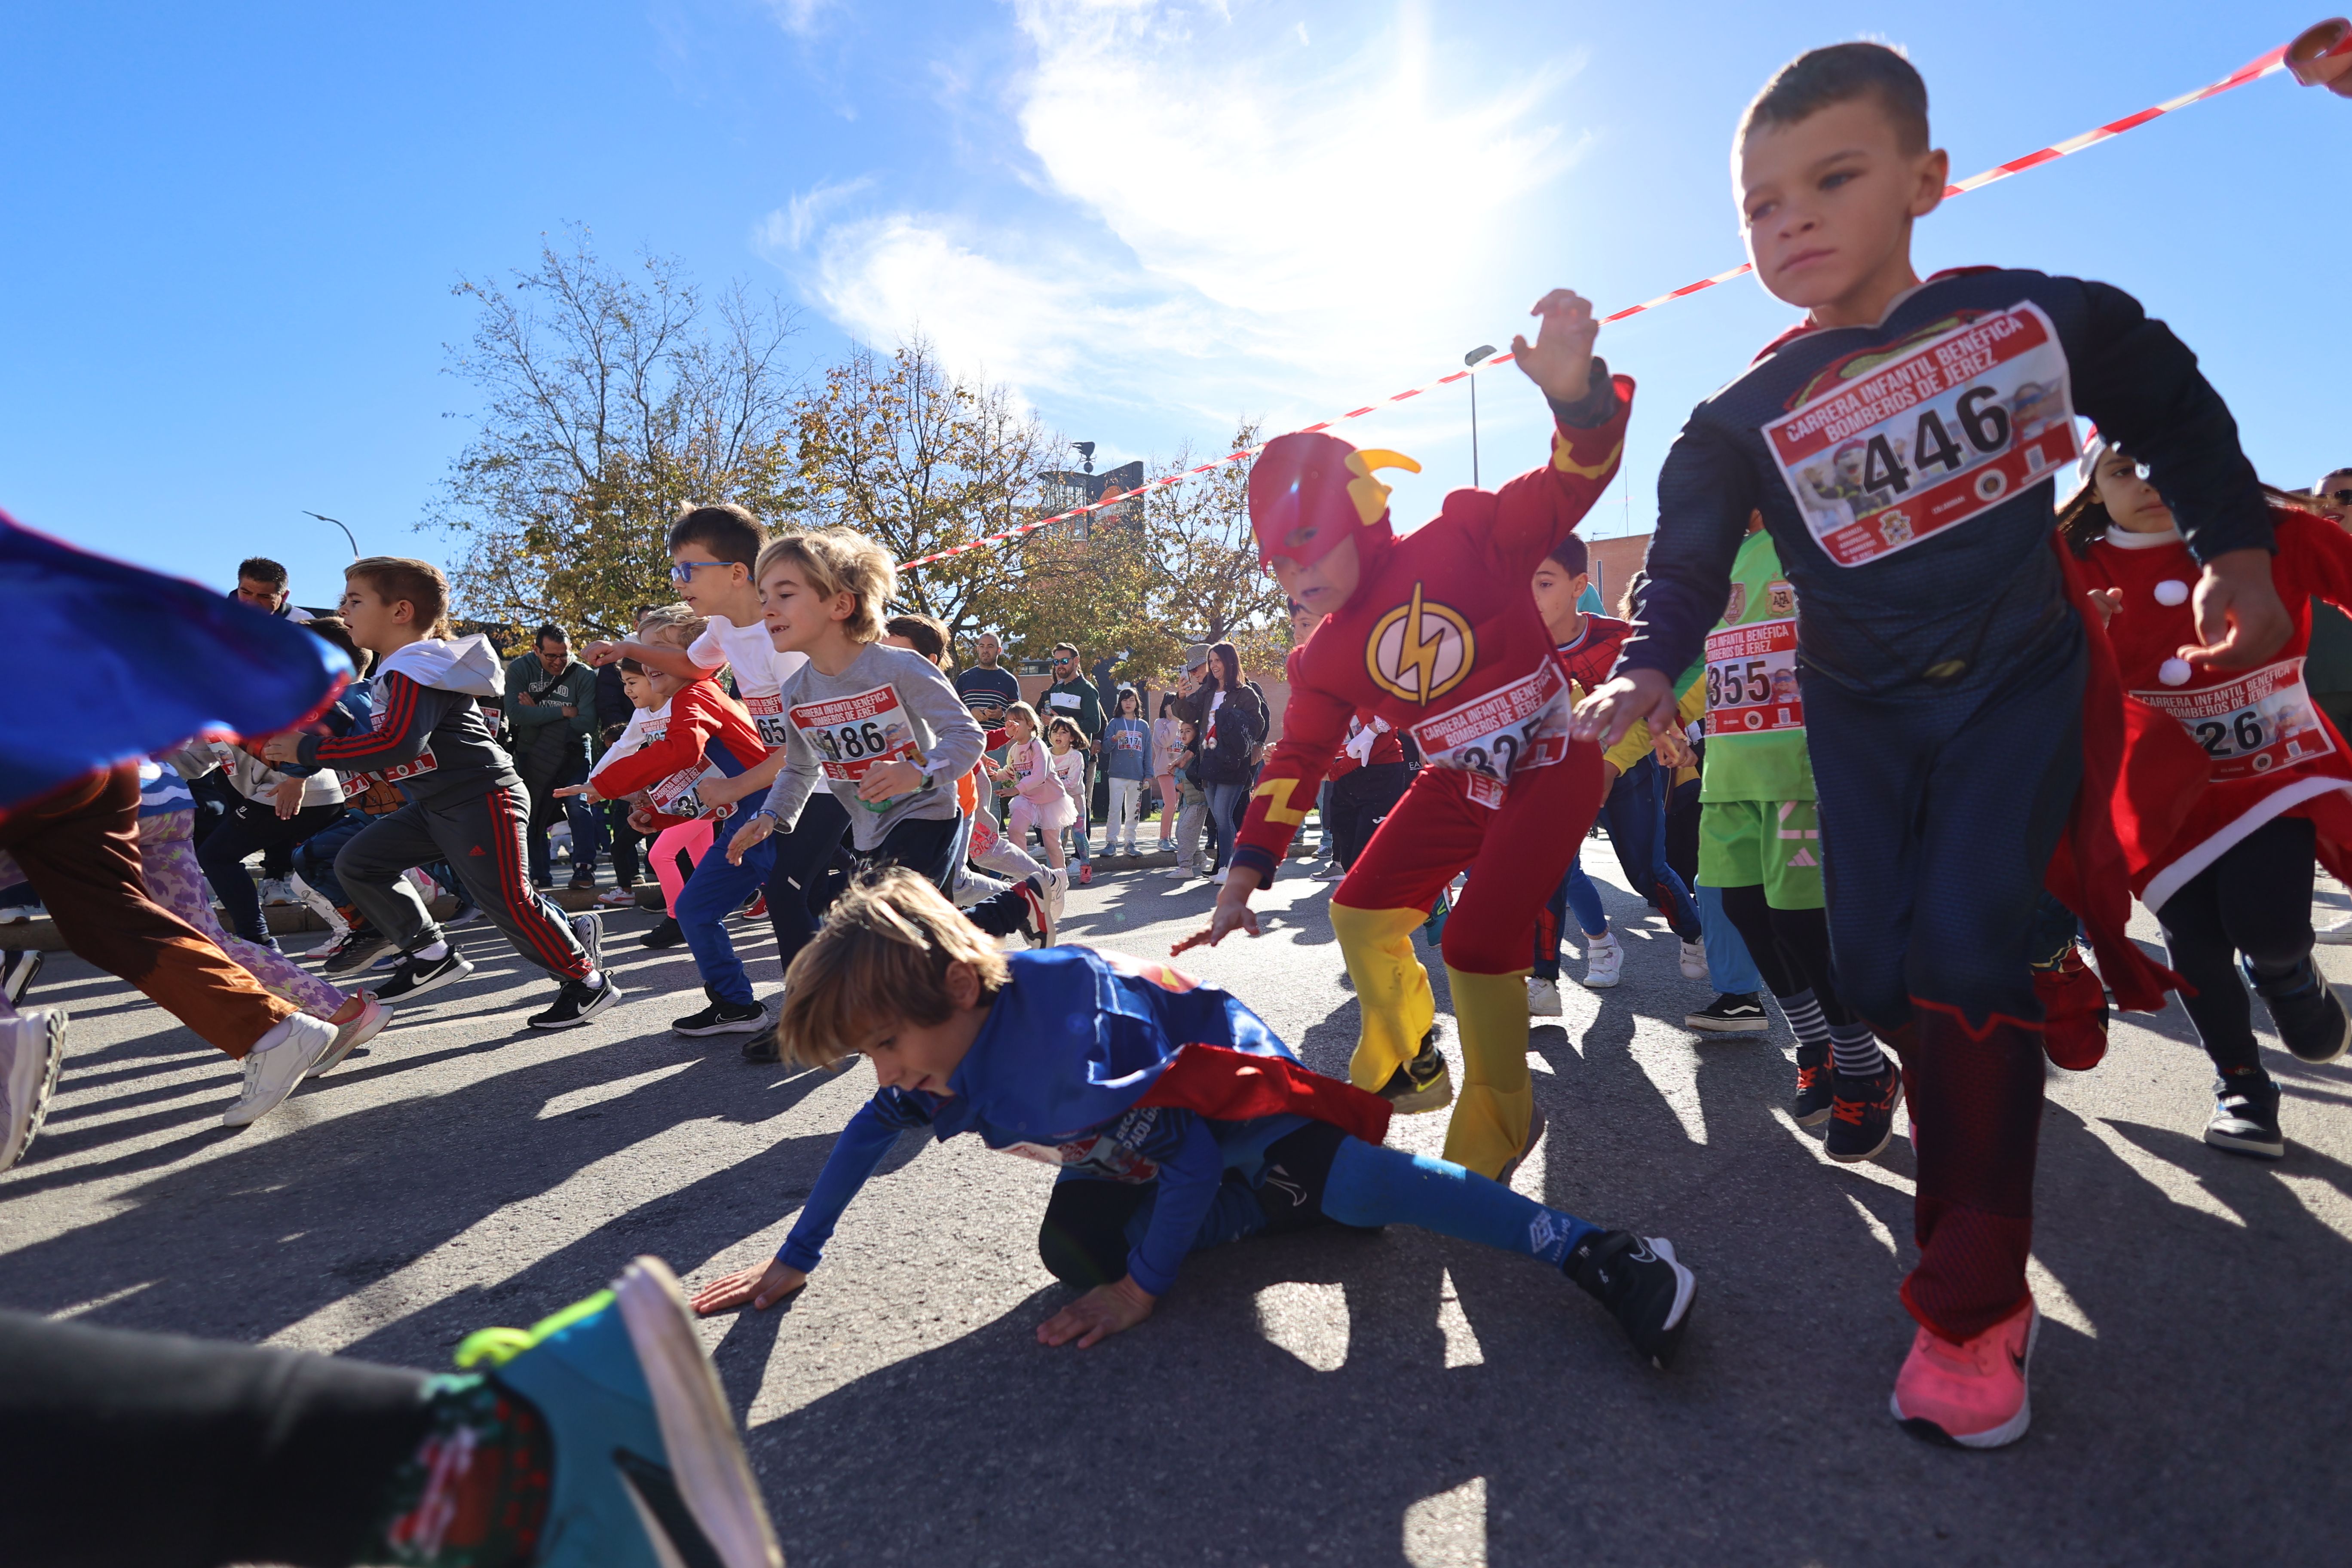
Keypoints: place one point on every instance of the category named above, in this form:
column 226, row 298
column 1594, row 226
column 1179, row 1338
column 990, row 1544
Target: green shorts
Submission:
column 1776, row 843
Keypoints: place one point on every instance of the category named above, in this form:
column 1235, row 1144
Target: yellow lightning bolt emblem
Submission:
column 1567, row 465
column 1416, row 652
column 1278, row 802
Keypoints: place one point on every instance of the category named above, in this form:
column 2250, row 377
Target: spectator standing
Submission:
column 1229, row 748
column 1071, row 696
column 262, row 583
column 1166, row 740
column 1127, row 760
column 551, row 710
column 988, row 689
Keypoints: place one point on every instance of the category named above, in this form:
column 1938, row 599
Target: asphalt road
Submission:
column 1343, row 1398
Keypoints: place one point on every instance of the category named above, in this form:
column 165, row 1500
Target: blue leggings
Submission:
column 1635, row 815
column 1575, row 895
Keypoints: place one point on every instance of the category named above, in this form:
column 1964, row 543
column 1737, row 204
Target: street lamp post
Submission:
column 1471, row 359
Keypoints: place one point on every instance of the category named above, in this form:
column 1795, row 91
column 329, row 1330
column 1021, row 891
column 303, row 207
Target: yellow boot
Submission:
column 1489, row 1129
column 1392, row 991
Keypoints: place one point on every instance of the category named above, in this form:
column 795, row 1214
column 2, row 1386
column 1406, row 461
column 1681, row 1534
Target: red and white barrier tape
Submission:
column 2276, row 60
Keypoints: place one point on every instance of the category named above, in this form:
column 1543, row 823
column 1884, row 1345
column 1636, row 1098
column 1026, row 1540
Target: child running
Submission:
column 2225, row 802
column 466, row 805
column 698, row 736
column 880, row 726
column 1586, row 646
column 1900, row 442
column 1176, row 1120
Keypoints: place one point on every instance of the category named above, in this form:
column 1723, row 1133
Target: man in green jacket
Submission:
column 1073, row 696
column 550, row 711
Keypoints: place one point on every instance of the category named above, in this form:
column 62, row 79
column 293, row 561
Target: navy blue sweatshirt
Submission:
column 1923, row 451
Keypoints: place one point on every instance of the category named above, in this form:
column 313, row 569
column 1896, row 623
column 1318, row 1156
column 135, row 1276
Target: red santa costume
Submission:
column 1442, row 638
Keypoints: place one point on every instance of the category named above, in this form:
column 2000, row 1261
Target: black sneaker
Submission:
column 20, row 967
column 1644, row 1288
column 588, row 930
column 353, row 952
column 1814, row 1087
column 575, row 1004
column 722, row 1019
column 413, row 976
column 664, row 934
column 1422, row 1083
column 1862, row 1115
column 2245, row 1116
column 761, row 1050
column 1731, row 1013
column 2310, row 1020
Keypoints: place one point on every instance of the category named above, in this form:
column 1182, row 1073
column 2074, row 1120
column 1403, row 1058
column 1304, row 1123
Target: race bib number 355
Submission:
column 1751, row 679
column 2261, row 722
column 1927, row 440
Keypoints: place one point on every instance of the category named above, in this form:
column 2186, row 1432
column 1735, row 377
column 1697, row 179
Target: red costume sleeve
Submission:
column 1540, row 508
column 1227, row 1085
column 699, row 713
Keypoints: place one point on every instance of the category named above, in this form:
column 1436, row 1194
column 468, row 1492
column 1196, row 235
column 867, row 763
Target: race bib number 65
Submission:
column 1931, row 438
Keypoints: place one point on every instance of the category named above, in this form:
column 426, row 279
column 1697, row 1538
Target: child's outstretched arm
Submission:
column 856, row 1154
column 661, row 655
column 1188, row 1184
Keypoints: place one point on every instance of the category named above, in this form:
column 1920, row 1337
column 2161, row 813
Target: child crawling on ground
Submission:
column 1177, row 1119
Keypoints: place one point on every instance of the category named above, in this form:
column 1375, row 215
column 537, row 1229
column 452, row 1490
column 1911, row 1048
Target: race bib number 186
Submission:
column 1931, row 438
column 853, row 734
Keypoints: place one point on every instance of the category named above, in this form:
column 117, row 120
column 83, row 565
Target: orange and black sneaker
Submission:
column 2073, row 1011
column 1862, row 1114
column 1814, row 1089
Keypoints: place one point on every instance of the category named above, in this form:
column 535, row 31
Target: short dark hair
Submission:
column 1570, row 556
column 550, row 630
column 1841, row 73
column 262, row 569
column 930, row 637
column 727, row 531
column 334, row 629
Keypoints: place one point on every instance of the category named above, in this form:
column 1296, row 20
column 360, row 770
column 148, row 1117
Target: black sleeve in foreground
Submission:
column 1707, row 492
column 2140, row 386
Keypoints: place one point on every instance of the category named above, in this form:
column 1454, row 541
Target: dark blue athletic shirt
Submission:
column 1957, row 606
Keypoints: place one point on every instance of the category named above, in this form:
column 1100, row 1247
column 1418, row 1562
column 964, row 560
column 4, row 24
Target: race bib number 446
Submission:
column 1751, row 679
column 2262, row 721
column 1934, row 436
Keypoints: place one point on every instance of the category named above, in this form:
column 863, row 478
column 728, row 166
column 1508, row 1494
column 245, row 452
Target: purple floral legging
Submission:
column 167, row 858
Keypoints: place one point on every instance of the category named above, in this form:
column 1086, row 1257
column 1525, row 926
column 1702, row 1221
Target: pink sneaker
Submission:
column 1973, row 1395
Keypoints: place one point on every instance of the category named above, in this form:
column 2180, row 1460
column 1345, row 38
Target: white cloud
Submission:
column 789, row 226
column 1260, row 224
column 798, row 17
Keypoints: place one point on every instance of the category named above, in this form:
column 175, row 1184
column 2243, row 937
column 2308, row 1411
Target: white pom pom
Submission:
column 2173, row 672
column 2172, row 591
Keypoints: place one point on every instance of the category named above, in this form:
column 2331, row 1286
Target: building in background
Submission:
column 1065, row 488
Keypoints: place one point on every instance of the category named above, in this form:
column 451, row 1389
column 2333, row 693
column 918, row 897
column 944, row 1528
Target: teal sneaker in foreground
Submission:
column 648, row 1469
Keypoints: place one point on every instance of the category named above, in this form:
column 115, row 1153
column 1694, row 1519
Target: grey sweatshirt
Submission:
column 890, row 702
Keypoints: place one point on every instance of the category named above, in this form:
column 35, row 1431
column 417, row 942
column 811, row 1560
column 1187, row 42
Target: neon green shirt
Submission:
column 1755, row 716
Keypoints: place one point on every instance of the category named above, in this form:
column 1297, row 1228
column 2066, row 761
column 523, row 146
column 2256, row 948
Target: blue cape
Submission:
column 113, row 662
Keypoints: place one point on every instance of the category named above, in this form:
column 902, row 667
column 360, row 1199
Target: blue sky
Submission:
column 233, row 230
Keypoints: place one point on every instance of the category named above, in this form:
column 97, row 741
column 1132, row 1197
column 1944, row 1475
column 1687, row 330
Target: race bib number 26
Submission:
column 1930, row 439
column 2261, row 721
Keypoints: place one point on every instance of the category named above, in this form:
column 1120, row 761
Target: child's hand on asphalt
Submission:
column 763, row 1285
column 1229, row 914
column 1104, row 1310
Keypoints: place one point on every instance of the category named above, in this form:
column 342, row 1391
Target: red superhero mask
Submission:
column 1308, row 491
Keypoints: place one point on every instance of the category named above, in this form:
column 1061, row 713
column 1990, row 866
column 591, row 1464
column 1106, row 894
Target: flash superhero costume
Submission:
column 1441, row 637
column 1953, row 700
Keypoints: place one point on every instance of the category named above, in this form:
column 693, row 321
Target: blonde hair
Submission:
column 394, row 578
column 838, row 561
column 881, row 957
column 677, row 625
column 1027, row 715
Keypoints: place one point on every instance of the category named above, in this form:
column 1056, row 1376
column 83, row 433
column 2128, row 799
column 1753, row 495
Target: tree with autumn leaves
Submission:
column 615, row 398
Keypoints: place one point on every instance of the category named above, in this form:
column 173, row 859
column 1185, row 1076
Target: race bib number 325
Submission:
column 1942, row 433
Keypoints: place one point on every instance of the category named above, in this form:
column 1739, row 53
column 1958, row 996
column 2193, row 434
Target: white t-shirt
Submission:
column 761, row 672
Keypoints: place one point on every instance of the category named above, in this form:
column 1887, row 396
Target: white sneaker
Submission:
column 32, row 1049
column 1693, row 961
column 10, row 914
column 1604, row 963
column 276, row 890
column 1543, row 998
column 1219, row 879
column 1057, row 888
column 1181, row 873
column 274, row 1066
column 2337, row 935
column 350, row 1036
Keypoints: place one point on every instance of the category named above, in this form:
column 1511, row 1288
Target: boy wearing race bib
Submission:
column 1435, row 633
column 878, row 727
column 2232, row 780
column 1759, row 845
column 1900, row 444
column 697, row 736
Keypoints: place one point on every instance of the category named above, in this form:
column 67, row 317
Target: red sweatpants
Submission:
column 79, row 849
